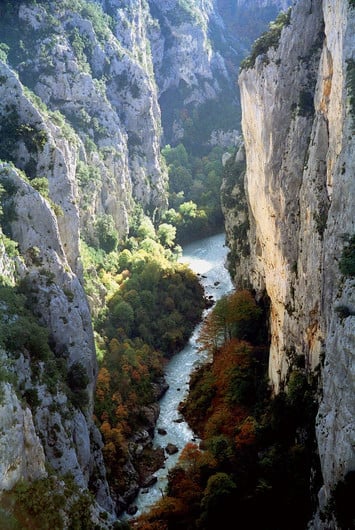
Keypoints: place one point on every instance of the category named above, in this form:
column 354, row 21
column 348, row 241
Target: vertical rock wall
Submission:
column 299, row 184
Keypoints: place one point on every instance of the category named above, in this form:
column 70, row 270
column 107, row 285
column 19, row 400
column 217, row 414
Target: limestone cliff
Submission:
column 46, row 411
column 83, row 85
column 196, row 51
column 294, row 198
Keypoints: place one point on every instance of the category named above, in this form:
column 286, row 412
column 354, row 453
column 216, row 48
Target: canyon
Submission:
column 89, row 93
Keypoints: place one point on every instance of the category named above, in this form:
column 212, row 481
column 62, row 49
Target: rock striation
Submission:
column 83, row 88
column 292, row 211
column 41, row 421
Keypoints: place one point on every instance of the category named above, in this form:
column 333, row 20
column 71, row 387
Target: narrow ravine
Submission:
column 206, row 257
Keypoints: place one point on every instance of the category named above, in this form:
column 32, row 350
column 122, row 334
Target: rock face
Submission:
column 189, row 70
column 196, row 52
column 295, row 202
column 98, row 74
column 82, row 86
column 52, row 427
column 22, row 455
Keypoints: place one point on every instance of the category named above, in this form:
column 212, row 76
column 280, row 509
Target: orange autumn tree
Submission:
column 234, row 316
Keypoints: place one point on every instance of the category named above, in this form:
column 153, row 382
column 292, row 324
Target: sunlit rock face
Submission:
column 40, row 424
column 297, row 124
column 22, row 455
column 98, row 74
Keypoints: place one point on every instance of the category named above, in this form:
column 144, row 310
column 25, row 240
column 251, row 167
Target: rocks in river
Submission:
column 209, row 302
column 161, row 431
column 159, row 388
column 171, row 449
column 150, row 413
column 150, row 481
column 179, row 420
column 131, row 510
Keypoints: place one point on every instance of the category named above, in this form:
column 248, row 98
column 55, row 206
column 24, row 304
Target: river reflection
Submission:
column 205, row 257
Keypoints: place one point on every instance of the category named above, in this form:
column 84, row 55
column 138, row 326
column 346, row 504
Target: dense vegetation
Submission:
column 254, row 463
column 194, row 192
column 46, row 504
column 269, row 39
column 347, row 260
column 151, row 306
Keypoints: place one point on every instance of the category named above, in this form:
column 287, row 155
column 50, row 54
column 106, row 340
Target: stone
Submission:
column 171, row 449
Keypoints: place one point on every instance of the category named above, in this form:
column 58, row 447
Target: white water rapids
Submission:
column 205, row 257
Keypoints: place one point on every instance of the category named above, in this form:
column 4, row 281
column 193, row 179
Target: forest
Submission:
column 257, row 456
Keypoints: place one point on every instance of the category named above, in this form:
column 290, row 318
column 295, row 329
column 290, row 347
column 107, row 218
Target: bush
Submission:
column 106, row 233
column 77, row 380
column 347, row 260
column 19, row 328
column 269, row 39
column 343, row 497
column 306, row 103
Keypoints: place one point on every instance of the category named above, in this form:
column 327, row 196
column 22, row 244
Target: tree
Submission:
column 167, row 234
column 234, row 316
column 146, row 229
column 217, row 499
column 106, row 233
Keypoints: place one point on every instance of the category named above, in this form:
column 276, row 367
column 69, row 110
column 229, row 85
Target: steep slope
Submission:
column 197, row 48
column 294, row 198
column 103, row 85
column 76, row 157
column 80, row 84
column 47, row 398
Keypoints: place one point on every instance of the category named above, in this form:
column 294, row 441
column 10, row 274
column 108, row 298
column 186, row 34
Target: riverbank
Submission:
column 206, row 258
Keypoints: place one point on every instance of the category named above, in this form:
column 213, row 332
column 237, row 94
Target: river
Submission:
column 205, row 257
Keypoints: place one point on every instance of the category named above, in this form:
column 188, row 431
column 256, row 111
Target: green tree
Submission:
column 217, row 499
column 347, row 260
column 167, row 234
column 146, row 229
column 106, row 232
column 123, row 315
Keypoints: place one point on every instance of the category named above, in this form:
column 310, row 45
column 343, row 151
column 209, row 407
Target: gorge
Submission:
column 115, row 118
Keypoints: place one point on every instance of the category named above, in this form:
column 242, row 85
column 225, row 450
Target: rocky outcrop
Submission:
column 98, row 74
column 80, row 84
column 22, row 455
column 46, row 414
column 299, row 194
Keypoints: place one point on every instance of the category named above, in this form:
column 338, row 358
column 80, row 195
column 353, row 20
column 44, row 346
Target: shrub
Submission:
column 77, row 380
column 306, row 103
column 38, row 503
column 19, row 328
column 347, row 260
column 343, row 311
column 343, row 501
column 31, row 396
column 106, row 233
column 269, row 39
column 46, row 504
column 41, row 185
